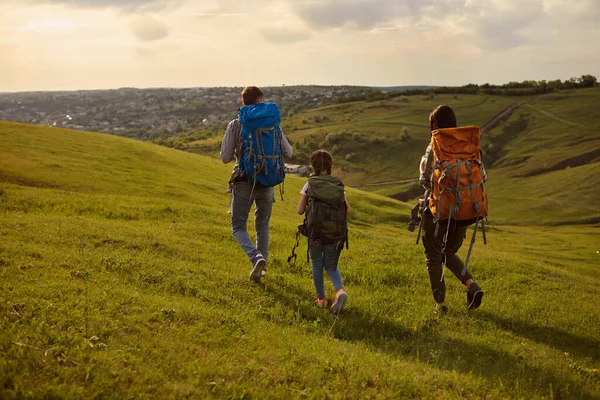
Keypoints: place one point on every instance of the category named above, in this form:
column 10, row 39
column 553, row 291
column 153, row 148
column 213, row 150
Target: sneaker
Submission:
column 474, row 296
column 321, row 303
column 340, row 299
column 441, row 309
column 257, row 269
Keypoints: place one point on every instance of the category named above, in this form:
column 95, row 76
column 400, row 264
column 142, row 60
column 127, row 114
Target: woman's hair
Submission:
column 251, row 95
column 442, row 117
column 321, row 160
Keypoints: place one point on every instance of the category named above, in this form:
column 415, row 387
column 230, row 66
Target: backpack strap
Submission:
column 293, row 255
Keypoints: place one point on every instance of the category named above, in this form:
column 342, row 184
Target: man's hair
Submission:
column 251, row 95
column 321, row 160
column 442, row 117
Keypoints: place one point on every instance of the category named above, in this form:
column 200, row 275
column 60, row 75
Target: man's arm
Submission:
column 286, row 147
column 229, row 141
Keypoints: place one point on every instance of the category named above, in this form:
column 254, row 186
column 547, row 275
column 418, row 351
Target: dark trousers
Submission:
column 433, row 252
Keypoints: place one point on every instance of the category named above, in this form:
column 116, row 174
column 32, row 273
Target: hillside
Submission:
column 119, row 278
column 546, row 160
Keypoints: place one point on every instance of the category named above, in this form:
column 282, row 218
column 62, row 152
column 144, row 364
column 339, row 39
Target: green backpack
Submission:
column 325, row 216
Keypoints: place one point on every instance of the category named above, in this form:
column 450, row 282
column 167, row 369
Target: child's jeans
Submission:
column 324, row 256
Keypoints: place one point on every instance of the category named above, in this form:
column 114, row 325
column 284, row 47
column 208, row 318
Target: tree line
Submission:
column 525, row 88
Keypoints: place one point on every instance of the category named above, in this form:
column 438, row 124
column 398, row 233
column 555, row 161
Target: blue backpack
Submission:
column 262, row 161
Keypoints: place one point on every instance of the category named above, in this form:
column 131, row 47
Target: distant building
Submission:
column 295, row 169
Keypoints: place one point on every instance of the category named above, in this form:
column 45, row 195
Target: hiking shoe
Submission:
column 340, row 299
column 257, row 269
column 321, row 303
column 441, row 309
column 474, row 296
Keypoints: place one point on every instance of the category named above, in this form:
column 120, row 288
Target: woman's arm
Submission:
column 302, row 204
column 348, row 208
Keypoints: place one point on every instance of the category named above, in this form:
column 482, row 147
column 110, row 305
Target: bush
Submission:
column 356, row 137
column 349, row 157
column 332, row 138
column 404, row 133
column 377, row 140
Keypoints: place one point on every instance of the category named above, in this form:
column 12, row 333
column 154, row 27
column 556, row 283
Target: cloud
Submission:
column 279, row 35
column 123, row 5
column 339, row 13
column 492, row 24
column 218, row 14
column 147, row 28
column 569, row 11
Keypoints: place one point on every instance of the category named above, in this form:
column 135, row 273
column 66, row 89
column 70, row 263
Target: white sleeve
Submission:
column 304, row 190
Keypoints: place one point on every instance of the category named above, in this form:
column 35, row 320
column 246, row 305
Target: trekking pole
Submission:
column 464, row 271
column 483, row 231
column 420, row 229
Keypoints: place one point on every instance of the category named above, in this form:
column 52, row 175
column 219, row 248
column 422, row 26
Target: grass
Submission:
column 119, row 278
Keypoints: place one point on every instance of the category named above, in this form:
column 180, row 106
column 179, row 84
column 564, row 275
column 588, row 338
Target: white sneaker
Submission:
column 340, row 299
column 257, row 269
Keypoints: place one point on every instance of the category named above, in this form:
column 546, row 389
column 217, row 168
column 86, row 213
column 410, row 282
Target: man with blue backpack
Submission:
column 258, row 145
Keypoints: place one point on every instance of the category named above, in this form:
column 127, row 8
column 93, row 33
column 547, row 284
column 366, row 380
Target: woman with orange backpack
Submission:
column 453, row 175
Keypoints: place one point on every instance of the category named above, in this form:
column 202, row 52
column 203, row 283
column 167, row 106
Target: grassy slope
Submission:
column 119, row 278
column 548, row 160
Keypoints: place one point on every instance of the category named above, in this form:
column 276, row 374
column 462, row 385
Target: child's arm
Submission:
column 302, row 204
column 348, row 208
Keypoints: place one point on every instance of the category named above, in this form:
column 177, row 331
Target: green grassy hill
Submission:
column 119, row 278
column 546, row 159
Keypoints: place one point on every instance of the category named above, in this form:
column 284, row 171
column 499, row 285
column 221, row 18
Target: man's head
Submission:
column 252, row 95
column 442, row 117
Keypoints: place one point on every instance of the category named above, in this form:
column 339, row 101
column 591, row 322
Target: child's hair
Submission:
column 442, row 117
column 251, row 95
column 321, row 160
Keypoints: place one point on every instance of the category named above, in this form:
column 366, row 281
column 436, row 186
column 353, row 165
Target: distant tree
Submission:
column 587, row 81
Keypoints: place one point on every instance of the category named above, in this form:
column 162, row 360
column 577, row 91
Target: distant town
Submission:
column 149, row 114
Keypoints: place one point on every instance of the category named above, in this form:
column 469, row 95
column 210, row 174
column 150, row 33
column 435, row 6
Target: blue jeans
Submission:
column 324, row 256
column 241, row 203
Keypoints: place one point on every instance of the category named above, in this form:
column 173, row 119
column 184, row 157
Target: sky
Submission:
column 103, row 44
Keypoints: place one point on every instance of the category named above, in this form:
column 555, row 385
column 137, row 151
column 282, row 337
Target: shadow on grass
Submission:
column 426, row 344
column 551, row 336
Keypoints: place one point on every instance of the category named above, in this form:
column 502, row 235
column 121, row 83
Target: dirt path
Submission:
column 546, row 113
column 502, row 116
column 358, row 185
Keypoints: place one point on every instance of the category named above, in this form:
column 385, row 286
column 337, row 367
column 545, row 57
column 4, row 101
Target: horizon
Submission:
column 65, row 45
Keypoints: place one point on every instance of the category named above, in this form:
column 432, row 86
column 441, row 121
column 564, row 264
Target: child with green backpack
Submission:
column 325, row 206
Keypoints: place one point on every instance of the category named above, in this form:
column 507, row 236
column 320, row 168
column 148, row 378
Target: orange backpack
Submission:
column 457, row 178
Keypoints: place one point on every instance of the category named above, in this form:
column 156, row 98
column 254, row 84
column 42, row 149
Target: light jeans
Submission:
column 241, row 203
column 324, row 256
